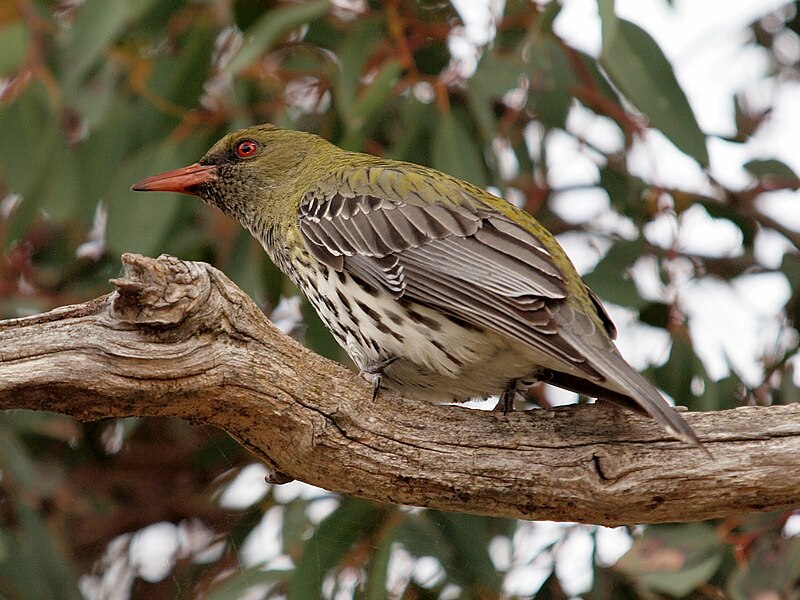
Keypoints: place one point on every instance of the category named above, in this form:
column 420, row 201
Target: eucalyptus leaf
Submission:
column 98, row 23
column 673, row 559
column 327, row 547
column 14, row 40
column 455, row 151
column 677, row 375
column 611, row 277
column 639, row 68
column 378, row 568
column 140, row 222
column 238, row 584
column 771, row 167
column 275, row 23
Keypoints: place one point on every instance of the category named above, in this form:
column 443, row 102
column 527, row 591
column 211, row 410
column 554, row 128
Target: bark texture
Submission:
column 180, row 339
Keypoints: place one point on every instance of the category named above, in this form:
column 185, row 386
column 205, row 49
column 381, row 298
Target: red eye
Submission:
column 246, row 148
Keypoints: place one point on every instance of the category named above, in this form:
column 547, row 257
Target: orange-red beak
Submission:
column 179, row 180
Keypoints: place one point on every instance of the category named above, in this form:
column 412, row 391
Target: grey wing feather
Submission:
column 469, row 260
column 478, row 248
column 619, row 376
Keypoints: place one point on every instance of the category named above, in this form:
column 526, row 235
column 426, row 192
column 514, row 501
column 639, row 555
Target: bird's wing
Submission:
column 446, row 248
column 443, row 245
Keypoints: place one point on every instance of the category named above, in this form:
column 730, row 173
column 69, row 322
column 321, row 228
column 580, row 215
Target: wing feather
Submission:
column 461, row 255
column 381, row 273
column 535, row 328
column 390, row 237
column 428, row 227
column 464, row 257
column 403, row 225
column 333, row 207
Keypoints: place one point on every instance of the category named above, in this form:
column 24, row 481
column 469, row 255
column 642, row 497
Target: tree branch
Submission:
column 180, row 339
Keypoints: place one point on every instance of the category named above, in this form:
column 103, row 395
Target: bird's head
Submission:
column 248, row 174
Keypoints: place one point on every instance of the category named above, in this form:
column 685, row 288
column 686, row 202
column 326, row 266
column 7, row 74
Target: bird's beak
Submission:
column 180, row 180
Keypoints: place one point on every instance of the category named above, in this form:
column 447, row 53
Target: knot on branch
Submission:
column 159, row 291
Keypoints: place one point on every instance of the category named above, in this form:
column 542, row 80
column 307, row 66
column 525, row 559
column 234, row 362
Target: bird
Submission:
column 434, row 287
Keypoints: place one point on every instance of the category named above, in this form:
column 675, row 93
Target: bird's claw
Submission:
column 373, row 373
column 506, row 402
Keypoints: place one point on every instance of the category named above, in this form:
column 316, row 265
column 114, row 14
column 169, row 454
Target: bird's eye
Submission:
column 246, row 148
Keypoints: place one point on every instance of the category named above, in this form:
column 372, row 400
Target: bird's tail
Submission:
column 621, row 384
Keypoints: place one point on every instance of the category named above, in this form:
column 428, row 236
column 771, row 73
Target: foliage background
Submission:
column 95, row 95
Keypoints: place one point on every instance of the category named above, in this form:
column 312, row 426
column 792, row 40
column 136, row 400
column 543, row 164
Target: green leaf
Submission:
column 377, row 92
column 18, row 464
column 97, row 24
column 269, row 29
column 494, row 76
column 55, row 426
column 294, row 526
column 23, row 125
column 140, row 222
column 317, row 335
column 60, row 192
column 673, row 559
column 723, row 394
column 39, row 567
column 610, row 584
column 551, row 78
column 683, row 366
column 455, row 151
column 432, row 57
column 420, row 536
column 790, row 266
column 237, row 585
column 655, row 314
column 625, row 192
column 459, row 542
column 103, row 151
column 244, row 266
column 598, row 78
column 182, row 79
column 639, row 68
column 14, row 39
column 353, row 54
column 549, row 15
column 772, row 570
column 771, row 168
column 469, row 540
column 378, row 569
column 38, row 148
column 611, row 279
column 369, row 102
column 330, row 544
column 788, row 392
column 410, row 132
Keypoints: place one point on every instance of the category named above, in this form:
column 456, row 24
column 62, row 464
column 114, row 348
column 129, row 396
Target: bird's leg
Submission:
column 374, row 372
column 506, row 402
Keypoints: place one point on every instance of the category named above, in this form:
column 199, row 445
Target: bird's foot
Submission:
column 506, row 402
column 519, row 386
column 373, row 372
